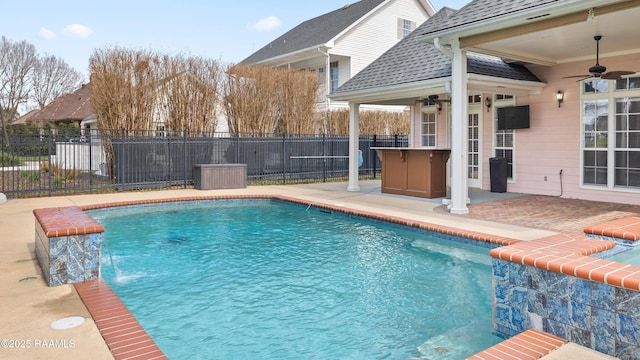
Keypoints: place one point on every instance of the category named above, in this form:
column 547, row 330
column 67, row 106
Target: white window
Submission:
column 611, row 133
column 405, row 27
column 333, row 75
column 504, row 140
column 321, row 75
column 428, row 129
column 474, row 99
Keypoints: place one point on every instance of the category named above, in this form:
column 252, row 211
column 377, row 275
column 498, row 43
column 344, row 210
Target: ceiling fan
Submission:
column 599, row 71
column 433, row 100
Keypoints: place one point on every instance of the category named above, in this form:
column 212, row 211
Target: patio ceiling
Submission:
column 565, row 38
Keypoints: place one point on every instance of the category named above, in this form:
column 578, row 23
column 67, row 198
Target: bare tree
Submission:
column 189, row 94
column 17, row 60
column 124, row 88
column 53, row 77
column 140, row 90
column 371, row 122
column 249, row 104
column 261, row 100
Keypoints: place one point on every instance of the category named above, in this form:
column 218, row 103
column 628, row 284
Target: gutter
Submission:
column 414, row 86
column 278, row 60
column 439, row 84
column 327, row 77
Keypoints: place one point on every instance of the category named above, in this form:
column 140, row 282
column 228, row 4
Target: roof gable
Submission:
column 411, row 61
column 314, row 32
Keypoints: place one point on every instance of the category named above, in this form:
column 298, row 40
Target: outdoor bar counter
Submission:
column 419, row 172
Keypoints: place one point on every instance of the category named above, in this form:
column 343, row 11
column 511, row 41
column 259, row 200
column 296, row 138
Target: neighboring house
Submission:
column 66, row 108
column 339, row 44
column 76, row 107
column 583, row 136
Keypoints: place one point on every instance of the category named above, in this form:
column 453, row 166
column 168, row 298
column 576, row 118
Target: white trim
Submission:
column 431, row 110
column 278, row 60
column 494, row 113
column 529, row 87
column 387, row 92
column 475, row 109
column 611, row 95
column 441, row 85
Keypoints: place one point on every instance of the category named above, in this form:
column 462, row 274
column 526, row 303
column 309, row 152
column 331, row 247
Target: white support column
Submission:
column 459, row 129
column 354, row 145
column 412, row 124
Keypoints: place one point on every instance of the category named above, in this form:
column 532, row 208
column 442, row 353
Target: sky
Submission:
column 228, row 31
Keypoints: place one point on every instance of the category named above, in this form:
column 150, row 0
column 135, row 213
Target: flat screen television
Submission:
column 513, row 117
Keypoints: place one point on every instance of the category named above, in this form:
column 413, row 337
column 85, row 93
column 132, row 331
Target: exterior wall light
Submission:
column 487, row 103
column 560, row 97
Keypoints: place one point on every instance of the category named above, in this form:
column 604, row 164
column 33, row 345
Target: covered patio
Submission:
column 459, row 67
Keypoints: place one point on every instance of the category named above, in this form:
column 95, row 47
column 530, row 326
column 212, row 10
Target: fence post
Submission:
column 49, row 142
column 373, row 154
column 237, row 148
column 324, row 157
column 284, row 158
column 184, row 159
column 90, row 165
column 395, row 140
column 121, row 162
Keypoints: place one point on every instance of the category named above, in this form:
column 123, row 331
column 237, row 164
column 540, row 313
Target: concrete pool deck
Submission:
column 29, row 306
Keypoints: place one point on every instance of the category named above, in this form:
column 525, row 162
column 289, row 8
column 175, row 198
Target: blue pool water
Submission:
column 271, row 280
column 629, row 255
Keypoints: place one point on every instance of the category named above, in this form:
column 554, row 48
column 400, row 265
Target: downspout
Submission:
column 327, row 78
column 448, row 53
column 442, row 49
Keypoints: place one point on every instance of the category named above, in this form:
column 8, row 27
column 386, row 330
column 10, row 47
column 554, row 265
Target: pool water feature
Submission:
column 269, row 279
column 626, row 254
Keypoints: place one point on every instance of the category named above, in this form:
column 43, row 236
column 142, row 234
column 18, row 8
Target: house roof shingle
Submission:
column 482, row 10
column 75, row 106
column 314, row 32
column 411, row 61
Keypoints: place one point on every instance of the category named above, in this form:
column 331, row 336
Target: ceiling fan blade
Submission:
column 617, row 74
column 576, row 76
column 610, row 76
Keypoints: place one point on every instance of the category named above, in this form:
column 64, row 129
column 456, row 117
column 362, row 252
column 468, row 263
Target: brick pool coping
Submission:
column 66, row 221
column 528, row 345
column 567, row 254
column 625, row 229
column 124, row 335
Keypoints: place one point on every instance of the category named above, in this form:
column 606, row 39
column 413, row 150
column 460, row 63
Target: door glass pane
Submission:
column 473, row 146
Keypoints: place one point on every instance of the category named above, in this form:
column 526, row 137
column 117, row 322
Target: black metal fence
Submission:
column 55, row 163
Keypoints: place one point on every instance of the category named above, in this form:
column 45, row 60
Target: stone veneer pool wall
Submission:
column 552, row 285
column 68, row 245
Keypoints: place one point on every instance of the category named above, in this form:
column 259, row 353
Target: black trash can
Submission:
column 498, row 171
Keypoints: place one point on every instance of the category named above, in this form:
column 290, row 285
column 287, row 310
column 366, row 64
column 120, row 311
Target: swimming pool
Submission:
column 269, row 279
